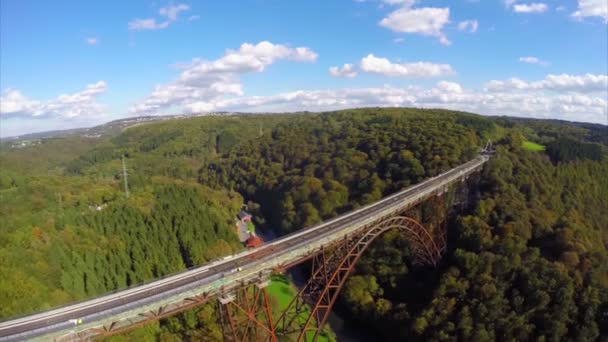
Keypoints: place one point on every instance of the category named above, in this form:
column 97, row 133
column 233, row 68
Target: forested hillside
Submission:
column 527, row 259
column 313, row 167
column 68, row 232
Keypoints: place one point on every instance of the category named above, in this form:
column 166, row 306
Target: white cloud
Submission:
column 537, row 7
column 147, row 24
column 83, row 103
column 202, row 81
column 405, row 3
column 347, row 70
column 450, row 87
column 170, row 12
column 92, row 40
column 468, row 25
column 450, row 95
column 588, row 83
column 568, row 97
column 533, row 60
column 428, row 21
column 194, row 17
column 398, row 40
column 13, row 102
column 592, row 8
column 560, row 8
column 383, row 66
column 529, row 60
column 214, row 85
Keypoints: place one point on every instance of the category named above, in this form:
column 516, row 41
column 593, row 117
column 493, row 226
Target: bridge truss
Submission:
column 246, row 315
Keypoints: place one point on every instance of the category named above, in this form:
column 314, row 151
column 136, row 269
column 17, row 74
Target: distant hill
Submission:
column 107, row 129
column 597, row 132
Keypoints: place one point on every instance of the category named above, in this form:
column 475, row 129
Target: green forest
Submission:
column 527, row 256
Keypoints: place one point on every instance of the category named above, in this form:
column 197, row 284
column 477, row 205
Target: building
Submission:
column 244, row 216
column 254, row 241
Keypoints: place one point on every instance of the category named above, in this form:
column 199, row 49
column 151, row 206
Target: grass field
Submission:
column 534, row 147
column 283, row 291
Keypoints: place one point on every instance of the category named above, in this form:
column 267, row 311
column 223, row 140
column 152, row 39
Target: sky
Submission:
column 67, row 64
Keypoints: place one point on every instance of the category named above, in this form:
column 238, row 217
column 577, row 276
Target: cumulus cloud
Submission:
column 568, row 97
column 536, row 7
column 171, row 13
column 450, row 87
column 383, row 66
column 347, row 70
column 449, row 95
column 533, row 60
column 202, row 80
column 14, row 102
column 83, row 103
column 428, row 21
column 588, row 83
column 468, row 25
column 215, row 85
column 592, row 8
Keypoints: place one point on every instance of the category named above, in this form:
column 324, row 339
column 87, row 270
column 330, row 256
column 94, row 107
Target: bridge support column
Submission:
column 246, row 314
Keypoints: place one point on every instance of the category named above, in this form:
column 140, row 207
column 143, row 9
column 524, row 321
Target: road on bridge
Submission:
column 102, row 309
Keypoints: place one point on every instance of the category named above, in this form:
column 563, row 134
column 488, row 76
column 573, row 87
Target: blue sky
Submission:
column 67, row 64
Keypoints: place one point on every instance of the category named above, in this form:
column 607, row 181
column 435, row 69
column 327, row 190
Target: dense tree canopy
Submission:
column 315, row 166
column 528, row 261
column 526, row 258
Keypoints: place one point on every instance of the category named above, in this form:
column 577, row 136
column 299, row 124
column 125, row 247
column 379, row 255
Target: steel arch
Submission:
column 332, row 268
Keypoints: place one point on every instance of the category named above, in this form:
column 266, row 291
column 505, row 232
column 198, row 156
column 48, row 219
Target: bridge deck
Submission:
column 219, row 276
